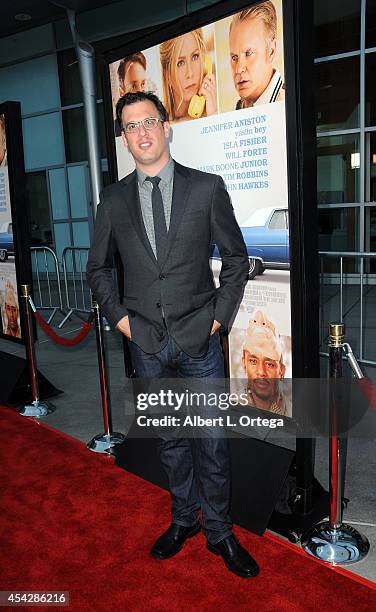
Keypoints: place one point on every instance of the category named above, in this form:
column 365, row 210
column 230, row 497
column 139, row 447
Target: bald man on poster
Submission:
column 263, row 363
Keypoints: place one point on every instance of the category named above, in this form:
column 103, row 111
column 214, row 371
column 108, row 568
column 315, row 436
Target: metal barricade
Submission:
column 46, row 280
column 352, row 306
column 77, row 292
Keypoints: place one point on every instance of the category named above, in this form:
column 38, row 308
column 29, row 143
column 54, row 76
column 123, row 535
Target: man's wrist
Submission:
column 125, row 316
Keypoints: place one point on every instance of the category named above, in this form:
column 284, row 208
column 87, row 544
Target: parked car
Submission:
column 266, row 236
column 6, row 241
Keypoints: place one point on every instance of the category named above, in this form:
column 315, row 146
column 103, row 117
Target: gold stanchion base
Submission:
column 335, row 546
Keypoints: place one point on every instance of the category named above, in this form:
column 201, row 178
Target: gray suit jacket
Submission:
column 182, row 286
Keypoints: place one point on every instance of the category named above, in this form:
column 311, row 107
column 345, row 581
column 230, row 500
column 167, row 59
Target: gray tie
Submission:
column 160, row 227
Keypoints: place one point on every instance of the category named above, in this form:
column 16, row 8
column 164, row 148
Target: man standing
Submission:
column 252, row 39
column 263, row 364
column 162, row 219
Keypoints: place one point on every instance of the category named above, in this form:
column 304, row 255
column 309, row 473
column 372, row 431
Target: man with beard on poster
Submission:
column 263, row 364
column 162, row 219
column 253, row 45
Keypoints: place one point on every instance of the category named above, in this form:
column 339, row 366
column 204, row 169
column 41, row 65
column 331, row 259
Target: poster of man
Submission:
column 10, row 310
column 131, row 76
column 253, row 45
column 264, row 367
column 250, row 57
column 132, row 73
column 138, row 71
column 260, row 345
column 9, row 306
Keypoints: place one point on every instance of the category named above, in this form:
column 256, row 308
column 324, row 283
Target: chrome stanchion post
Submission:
column 336, row 337
column 102, row 443
column 36, row 408
column 334, row 541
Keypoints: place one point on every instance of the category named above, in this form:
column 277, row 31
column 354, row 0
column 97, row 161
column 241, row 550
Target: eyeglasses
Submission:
column 150, row 123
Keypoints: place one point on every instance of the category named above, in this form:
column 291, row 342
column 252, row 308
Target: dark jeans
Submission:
column 198, row 468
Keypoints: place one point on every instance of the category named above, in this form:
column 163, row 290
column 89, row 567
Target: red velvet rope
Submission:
column 86, row 327
column 369, row 391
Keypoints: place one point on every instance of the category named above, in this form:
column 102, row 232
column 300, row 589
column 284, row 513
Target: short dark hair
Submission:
column 140, row 96
column 138, row 57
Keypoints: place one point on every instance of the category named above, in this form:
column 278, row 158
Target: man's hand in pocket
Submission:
column 215, row 327
column 124, row 327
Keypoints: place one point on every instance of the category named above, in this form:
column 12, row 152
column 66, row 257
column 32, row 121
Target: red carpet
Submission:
column 72, row 521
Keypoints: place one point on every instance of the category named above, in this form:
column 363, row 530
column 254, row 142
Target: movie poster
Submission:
column 9, row 305
column 223, row 87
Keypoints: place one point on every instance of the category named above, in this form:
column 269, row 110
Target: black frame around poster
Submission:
column 301, row 150
column 19, row 205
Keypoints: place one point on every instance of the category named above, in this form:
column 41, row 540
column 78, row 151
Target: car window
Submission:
column 258, row 218
column 278, row 220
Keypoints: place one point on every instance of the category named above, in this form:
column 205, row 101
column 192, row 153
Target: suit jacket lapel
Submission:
column 133, row 202
column 181, row 191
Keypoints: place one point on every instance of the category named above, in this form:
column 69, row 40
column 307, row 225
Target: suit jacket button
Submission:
column 158, row 304
column 162, row 277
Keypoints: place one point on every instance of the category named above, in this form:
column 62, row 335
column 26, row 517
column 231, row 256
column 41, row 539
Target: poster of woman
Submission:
column 189, row 75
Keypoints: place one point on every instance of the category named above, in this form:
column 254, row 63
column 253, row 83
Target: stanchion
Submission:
column 334, row 541
column 102, row 443
column 36, row 408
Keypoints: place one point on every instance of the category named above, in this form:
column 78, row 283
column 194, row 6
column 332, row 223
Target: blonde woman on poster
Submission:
column 264, row 366
column 253, row 46
column 189, row 83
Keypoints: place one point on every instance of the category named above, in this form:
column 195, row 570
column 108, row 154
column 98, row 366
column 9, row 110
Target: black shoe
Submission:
column 235, row 556
column 172, row 540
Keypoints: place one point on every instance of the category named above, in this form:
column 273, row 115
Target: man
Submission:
column 263, row 364
column 11, row 312
column 132, row 77
column 253, row 34
column 162, row 219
